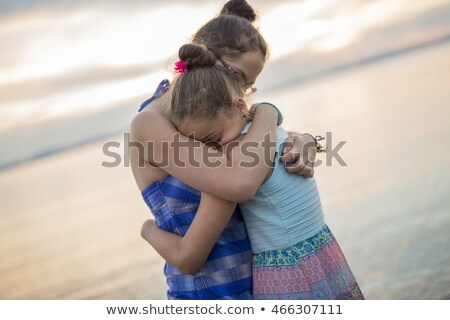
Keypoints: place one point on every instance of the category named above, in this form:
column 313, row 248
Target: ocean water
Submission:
column 389, row 206
column 70, row 228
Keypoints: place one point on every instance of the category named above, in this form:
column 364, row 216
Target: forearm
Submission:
column 189, row 253
column 261, row 141
column 171, row 247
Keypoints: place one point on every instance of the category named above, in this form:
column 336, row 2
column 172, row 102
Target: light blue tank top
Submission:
column 285, row 210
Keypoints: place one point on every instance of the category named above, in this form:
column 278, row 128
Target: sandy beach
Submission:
column 70, row 228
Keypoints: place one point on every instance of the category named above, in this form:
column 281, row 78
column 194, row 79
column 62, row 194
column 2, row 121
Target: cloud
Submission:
column 59, row 60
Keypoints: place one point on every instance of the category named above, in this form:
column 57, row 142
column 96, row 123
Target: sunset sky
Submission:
column 65, row 58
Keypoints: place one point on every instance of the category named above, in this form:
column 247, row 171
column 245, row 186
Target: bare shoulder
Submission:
column 144, row 119
column 150, row 124
column 147, row 126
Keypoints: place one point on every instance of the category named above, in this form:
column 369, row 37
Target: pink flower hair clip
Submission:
column 180, row 67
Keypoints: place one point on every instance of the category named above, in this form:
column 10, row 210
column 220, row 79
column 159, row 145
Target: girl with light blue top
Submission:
column 295, row 255
column 278, row 216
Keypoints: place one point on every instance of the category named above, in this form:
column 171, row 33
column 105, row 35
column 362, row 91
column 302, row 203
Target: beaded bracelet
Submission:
column 279, row 120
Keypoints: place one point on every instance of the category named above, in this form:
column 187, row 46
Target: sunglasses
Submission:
column 249, row 87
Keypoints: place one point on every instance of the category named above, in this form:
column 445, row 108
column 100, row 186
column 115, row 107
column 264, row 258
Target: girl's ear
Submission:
column 239, row 103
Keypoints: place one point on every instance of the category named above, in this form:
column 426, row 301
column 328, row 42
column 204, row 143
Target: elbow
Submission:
column 189, row 265
column 146, row 229
column 189, row 261
column 245, row 191
column 189, row 268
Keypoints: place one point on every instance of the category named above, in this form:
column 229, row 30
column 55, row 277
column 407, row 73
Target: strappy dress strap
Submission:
column 162, row 87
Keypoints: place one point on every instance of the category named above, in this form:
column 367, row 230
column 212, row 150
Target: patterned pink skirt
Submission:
column 312, row 269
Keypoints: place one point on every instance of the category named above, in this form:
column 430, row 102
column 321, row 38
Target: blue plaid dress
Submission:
column 227, row 273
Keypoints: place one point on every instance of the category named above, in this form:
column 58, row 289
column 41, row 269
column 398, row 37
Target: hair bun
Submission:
column 239, row 8
column 197, row 56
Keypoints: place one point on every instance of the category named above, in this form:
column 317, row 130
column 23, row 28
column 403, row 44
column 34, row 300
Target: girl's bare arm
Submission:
column 185, row 158
column 190, row 252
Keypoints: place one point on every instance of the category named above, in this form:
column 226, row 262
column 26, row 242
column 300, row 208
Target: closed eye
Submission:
column 214, row 144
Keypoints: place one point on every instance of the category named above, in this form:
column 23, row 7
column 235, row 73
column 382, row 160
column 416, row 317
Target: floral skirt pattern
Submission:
column 313, row 269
